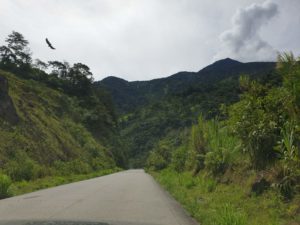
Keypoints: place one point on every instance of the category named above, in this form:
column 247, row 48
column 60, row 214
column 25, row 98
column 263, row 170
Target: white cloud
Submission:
column 243, row 40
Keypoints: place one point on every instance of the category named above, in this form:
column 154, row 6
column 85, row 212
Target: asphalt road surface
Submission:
column 131, row 197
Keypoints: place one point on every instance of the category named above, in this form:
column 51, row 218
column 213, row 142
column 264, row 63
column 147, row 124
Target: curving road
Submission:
column 131, row 197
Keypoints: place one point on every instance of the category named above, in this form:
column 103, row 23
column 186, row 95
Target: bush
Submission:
column 156, row 161
column 179, row 158
column 72, row 167
column 214, row 162
column 99, row 163
column 257, row 120
column 210, row 185
column 223, row 148
column 5, row 183
column 22, row 170
column 198, row 147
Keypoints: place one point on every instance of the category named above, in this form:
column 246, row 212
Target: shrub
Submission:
column 156, row 161
column 257, row 120
column 72, row 167
column 22, row 170
column 290, row 160
column 99, row 163
column 198, row 145
column 179, row 158
column 5, row 183
column 210, row 185
column 223, row 148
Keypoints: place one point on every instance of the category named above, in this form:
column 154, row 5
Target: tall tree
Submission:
column 17, row 48
column 39, row 64
column 81, row 78
column 60, row 69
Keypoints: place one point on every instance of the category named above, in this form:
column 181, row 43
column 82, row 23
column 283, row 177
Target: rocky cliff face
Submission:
column 7, row 109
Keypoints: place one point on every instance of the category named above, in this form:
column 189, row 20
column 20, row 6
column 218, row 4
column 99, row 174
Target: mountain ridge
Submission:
column 129, row 95
column 226, row 62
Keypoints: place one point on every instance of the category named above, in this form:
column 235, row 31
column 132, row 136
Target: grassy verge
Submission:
column 23, row 187
column 213, row 203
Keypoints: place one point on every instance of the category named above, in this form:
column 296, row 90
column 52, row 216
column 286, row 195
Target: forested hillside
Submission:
column 243, row 165
column 52, row 123
column 223, row 141
column 148, row 110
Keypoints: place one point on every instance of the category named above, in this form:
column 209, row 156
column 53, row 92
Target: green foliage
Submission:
column 257, row 119
column 150, row 109
column 289, row 67
column 50, row 129
column 267, row 122
column 156, row 161
column 227, row 215
column 160, row 157
column 22, row 170
column 217, row 203
column 290, row 182
column 262, row 131
column 163, row 153
column 5, row 183
column 179, row 158
column 212, row 147
column 72, row 167
column 198, row 145
column 16, row 54
column 51, row 181
column 65, row 125
column 223, row 147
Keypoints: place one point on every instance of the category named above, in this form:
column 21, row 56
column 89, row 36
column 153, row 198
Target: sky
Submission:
column 147, row 39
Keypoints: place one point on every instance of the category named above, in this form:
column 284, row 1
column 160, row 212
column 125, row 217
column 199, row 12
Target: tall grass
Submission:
column 227, row 215
column 5, row 183
column 213, row 203
column 221, row 147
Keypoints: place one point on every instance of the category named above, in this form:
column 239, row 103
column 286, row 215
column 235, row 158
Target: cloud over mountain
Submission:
column 242, row 41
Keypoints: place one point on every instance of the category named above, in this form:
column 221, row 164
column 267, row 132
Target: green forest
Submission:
column 224, row 141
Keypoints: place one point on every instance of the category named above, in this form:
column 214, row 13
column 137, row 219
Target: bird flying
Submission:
column 49, row 44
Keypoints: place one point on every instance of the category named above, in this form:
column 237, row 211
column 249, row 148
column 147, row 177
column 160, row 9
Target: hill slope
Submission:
column 42, row 132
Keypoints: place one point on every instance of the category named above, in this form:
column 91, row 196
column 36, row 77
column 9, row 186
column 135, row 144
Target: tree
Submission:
column 17, row 50
column 39, row 64
column 81, row 78
column 7, row 56
column 60, row 69
column 80, row 72
column 16, row 56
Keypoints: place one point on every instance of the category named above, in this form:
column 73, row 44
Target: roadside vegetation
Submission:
column 55, row 126
column 243, row 166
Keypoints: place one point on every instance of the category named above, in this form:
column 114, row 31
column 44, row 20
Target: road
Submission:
column 130, row 197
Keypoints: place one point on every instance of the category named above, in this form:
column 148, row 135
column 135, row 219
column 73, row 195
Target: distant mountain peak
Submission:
column 113, row 78
column 222, row 64
column 227, row 61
